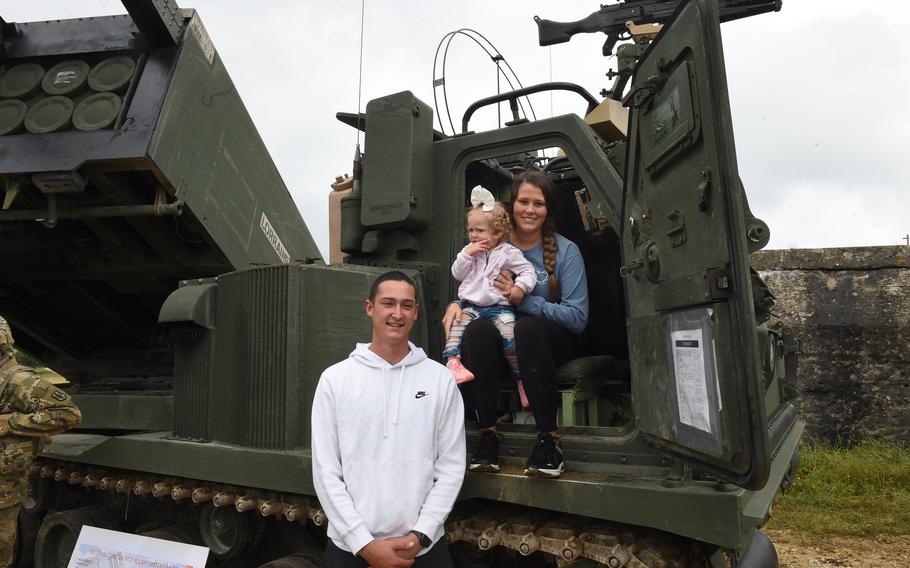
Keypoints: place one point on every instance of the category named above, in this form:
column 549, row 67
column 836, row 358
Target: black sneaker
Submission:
column 486, row 456
column 546, row 457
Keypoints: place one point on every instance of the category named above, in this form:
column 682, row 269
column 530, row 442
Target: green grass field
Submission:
column 863, row 490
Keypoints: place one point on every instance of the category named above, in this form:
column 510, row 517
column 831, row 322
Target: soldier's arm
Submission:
column 39, row 408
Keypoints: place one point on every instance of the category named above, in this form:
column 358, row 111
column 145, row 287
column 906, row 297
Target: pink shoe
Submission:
column 459, row 371
column 523, row 396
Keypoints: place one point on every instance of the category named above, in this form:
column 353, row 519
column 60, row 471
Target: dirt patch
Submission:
column 809, row 551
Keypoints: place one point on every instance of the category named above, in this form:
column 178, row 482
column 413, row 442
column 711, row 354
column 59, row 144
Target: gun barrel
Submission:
column 738, row 9
column 612, row 19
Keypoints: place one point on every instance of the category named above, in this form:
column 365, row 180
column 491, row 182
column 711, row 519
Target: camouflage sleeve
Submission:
column 38, row 407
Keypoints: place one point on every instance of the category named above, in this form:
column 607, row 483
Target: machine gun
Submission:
column 612, row 19
column 640, row 20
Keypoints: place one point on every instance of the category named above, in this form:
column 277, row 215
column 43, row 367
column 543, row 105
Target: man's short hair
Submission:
column 394, row 276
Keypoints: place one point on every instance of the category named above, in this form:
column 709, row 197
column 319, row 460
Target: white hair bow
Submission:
column 481, row 196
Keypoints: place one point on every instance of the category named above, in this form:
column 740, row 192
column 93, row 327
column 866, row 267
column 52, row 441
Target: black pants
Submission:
column 436, row 557
column 541, row 346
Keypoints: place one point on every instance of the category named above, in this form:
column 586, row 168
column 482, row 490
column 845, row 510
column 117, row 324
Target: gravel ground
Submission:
column 811, row 551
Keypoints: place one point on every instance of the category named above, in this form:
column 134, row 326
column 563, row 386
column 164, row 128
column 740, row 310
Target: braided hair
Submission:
column 543, row 182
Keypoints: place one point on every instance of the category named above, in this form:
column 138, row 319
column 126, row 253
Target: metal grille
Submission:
column 255, row 377
column 193, row 360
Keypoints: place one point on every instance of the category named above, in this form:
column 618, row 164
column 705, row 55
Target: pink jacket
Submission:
column 477, row 273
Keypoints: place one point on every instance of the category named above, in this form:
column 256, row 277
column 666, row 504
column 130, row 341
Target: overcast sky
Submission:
column 819, row 92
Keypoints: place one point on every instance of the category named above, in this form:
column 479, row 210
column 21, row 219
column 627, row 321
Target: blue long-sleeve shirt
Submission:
column 571, row 309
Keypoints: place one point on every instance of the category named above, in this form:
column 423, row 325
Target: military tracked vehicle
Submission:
column 153, row 255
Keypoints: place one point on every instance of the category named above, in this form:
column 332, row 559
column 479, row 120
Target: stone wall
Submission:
column 851, row 310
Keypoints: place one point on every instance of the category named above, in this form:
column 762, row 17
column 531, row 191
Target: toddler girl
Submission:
column 477, row 266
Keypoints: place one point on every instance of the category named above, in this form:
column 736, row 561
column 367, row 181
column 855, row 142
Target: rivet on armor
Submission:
column 529, row 544
column 245, row 503
column 316, row 515
column 201, row 495
column 181, row 492
column 489, row 539
column 453, row 532
column 223, row 499
column 619, row 556
column 295, row 513
column 573, row 549
column 91, row 480
column 272, row 508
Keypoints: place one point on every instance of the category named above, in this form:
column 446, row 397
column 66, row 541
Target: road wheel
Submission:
column 59, row 531
column 43, row 494
column 29, row 523
column 306, row 559
column 184, row 533
column 467, row 555
column 227, row 533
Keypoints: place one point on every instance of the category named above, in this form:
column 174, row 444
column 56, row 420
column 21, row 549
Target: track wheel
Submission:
column 308, row 559
column 467, row 555
column 58, row 533
column 43, row 494
column 29, row 523
column 183, row 533
column 226, row 532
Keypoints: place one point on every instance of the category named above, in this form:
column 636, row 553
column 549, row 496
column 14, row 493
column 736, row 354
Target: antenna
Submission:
column 503, row 69
column 360, row 71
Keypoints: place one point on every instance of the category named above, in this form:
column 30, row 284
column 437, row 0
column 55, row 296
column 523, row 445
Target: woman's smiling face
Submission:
column 529, row 209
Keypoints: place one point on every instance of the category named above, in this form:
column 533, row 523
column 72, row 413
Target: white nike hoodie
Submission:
column 388, row 447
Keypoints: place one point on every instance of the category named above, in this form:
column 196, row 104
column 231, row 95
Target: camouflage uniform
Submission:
column 31, row 409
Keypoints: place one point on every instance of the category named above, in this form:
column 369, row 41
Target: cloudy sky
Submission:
column 819, row 92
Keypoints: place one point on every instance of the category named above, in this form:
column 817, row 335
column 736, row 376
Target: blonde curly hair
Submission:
column 498, row 218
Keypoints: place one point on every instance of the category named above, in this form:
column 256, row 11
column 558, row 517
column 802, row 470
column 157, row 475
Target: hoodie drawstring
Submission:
column 398, row 397
column 364, row 356
column 385, row 417
column 396, row 400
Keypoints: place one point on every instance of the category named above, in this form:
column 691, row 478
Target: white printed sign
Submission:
column 691, row 380
column 274, row 240
column 65, row 77
column 202, row 36
column 102, row 548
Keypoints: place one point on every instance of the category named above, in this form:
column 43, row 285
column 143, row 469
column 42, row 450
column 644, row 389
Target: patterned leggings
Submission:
column 503, row 317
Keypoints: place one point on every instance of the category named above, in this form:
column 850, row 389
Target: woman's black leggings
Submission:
column 541, row 345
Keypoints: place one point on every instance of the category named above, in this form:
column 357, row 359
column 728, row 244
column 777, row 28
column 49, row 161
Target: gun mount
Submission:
column 625, row 20
column 612, row 19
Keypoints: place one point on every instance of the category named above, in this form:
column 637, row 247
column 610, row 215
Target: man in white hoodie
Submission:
column 388, row 443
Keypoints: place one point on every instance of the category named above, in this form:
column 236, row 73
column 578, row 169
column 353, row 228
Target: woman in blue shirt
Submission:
column 546, row 333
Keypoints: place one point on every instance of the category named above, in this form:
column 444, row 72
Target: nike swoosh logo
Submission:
column 421, row 394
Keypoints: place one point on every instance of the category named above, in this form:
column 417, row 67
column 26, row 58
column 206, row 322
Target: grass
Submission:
column 863, row 490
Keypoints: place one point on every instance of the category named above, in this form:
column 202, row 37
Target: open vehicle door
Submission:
column 697, row 388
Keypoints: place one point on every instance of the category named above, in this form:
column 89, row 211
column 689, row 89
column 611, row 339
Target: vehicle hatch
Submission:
column 692, row 335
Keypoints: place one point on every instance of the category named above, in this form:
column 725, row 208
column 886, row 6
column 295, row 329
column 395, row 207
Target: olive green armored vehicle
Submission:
column 152, row 255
